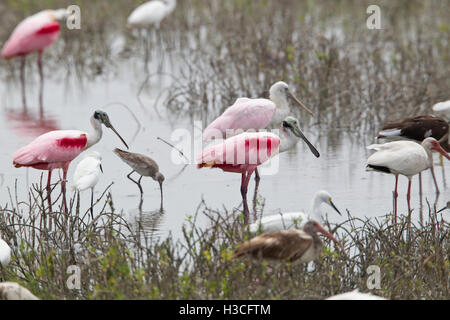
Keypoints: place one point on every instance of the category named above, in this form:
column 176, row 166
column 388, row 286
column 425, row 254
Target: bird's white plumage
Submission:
column 401, row 157
column 5, row 253
column 87, row 172
column 443, row 107
column 151, row 13
column 293, row 220
column 355, row 295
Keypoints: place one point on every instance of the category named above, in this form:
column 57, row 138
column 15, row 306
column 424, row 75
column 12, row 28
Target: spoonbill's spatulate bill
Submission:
column 253, row 114
column 294, row 220
column 151, row 13
column 403, row 157
column 34, row 34
column 87, row 174
column 143, row 165
column 245, row 152
column 56, row 149
column 287, row 245
column 417, row 129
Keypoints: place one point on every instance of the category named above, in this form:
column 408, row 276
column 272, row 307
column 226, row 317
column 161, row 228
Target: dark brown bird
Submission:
column 287, row 245
column 143, row 165
column 417, row 129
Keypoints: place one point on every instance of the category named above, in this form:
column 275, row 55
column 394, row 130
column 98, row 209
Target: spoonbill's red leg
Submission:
column 41, row 87
column 395, row 199
column 22, row 82
column 49, row 190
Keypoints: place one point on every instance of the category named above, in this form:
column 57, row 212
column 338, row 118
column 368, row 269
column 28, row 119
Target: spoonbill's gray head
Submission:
column 101, row 117
column 280, row 91
column 290, row 124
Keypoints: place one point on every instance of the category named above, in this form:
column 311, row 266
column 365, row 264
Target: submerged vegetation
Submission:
column 351, row 77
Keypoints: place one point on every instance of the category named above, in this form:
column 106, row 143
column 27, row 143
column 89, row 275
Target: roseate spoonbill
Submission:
column 417, row 129
column 14, row 291
column 5, row 253
column 56, row 149
column 287, row 245
column 443, row 108
column 34, row 34
column 87, row 173
column 143, row 165
column 254, row 114
column 407, row 158
column 294, row 220
column 246, row 151
column 355, row 295
column 151, row 13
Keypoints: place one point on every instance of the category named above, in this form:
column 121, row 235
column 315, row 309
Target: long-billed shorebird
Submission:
column 143, row 165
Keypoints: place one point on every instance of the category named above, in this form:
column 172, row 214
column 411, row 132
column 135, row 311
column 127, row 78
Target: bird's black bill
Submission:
column 112, row 128
column 296, row 130
column 101, row 168
column 334, row 207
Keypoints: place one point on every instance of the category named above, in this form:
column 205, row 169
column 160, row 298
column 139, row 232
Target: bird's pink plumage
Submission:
column 35, row 33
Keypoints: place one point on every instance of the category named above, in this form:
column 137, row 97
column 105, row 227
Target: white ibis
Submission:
column 14, row 291
column 403, row 157
column 355, row 295
column 287, row 245
column 87, row 173
column 417, row 129
column 293, row 220
column 143, row 165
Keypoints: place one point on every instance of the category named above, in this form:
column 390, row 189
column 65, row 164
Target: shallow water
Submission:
column 68, row 104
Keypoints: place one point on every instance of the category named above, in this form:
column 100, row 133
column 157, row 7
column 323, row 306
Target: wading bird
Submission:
column 417, row 129
column 5, row 253
column 14, row 291
column 287, row 245
column 294, row 220
column 254, row 114
column 87, row 173
column 355, row 295
column 246, row 151
column 403, row 157
column 151, row 13
column 143, row 165
column 56, row 149
column 34, row 34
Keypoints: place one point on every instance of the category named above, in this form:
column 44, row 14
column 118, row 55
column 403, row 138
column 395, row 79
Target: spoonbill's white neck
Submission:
column 96, row 134
column 280, row 100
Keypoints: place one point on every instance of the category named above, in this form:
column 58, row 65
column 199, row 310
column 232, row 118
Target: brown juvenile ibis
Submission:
column 287, row 245
column 417, row 129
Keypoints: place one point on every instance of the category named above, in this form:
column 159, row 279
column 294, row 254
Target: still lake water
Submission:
column 68, row 104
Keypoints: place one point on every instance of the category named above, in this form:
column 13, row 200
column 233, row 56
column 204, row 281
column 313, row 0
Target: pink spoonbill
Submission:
column 56, row 149
column 254, row 114
column 245, row 152
column 403, row 157
column 34, row 34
